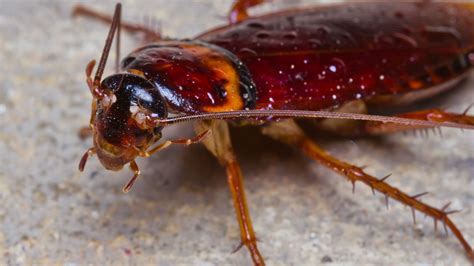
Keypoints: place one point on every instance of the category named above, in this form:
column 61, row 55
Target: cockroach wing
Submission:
column 319, row 58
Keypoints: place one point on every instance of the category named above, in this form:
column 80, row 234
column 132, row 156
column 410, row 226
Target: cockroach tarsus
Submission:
column 322, row 63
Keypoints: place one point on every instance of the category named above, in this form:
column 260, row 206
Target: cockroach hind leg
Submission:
column 349, row 128
column 239, row 9
column 434, row 115
column 289, row 133
column 136, row 172
column 220, row 146
column 151, row 29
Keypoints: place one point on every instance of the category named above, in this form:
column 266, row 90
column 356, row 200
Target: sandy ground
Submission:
column 180, row 210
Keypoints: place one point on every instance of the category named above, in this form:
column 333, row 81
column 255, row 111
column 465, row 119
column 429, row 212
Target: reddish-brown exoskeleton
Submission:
column 328, row 62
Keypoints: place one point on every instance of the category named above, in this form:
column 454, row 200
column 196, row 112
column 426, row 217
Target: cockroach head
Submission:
column 124, row 109
column 123, row 120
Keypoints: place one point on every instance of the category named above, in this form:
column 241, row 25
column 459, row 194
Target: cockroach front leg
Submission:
column 151, row 31
column 134, row 167
column 220, row 146
column 289, row 133
column 196, row 139
column 238, row 12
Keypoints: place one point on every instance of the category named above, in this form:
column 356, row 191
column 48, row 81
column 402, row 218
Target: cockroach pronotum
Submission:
column 323, row 63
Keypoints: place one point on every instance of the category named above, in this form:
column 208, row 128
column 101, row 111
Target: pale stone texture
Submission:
column 180, row 210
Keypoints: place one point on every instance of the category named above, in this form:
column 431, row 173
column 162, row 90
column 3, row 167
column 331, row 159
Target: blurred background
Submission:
column 180, row 211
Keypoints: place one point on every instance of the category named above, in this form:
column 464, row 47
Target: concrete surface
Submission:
column 180, row 210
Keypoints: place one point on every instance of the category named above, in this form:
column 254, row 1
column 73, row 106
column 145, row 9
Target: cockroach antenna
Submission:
column 96, row 90
column 262, row 114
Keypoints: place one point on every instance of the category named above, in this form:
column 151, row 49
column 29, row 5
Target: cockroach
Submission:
column 323, row 63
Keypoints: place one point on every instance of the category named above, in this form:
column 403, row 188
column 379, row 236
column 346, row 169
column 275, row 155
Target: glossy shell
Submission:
column 193, row 76
column 323, row 57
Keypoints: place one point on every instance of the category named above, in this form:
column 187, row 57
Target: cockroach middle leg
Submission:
column 220, row 146
column 288, row 132
column 151, row 32
column 238, row 11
